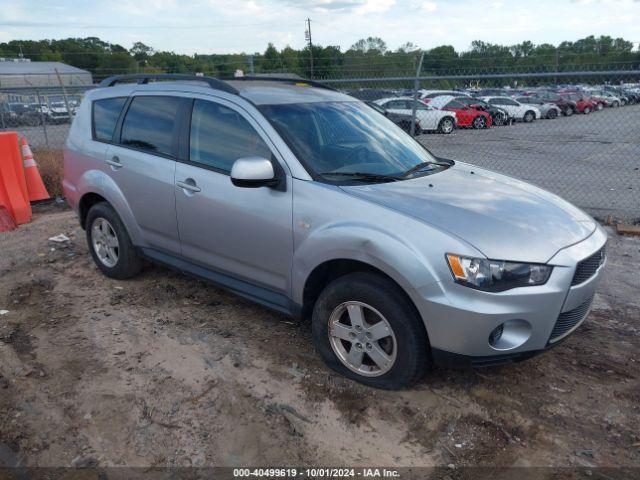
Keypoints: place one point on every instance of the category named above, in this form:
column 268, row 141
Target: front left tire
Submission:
column 365, row 328
column 446, row 125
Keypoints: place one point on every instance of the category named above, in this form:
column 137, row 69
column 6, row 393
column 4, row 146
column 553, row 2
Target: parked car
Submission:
column 567, row 106
column 429, row 119
column 465, row 116
column 547, row 109
column 403, row 120
column 632, row 97
column 583, row 103
column 58, row 113
column 499, row 116
column 296, row 196
column 8, row 118
column 517, row 110
column 427, row 95
column 605, row 99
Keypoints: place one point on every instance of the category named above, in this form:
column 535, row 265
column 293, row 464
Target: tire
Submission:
column 446, row 125
column 599, row 106
column 499, row 120
column 568, row 112
column 529, row 116
column 587, row 110
column 552, row 113
column 479, row 122
column 615, row 104
column 118, row 260
column 406, row 347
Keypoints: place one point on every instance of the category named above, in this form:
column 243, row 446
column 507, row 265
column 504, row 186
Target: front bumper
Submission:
column 459, row 320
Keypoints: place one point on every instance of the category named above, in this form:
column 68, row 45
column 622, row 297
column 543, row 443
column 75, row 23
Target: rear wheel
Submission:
column 479, row 122
column 552, row 113
column 587, row 110
column 110, row 244
column 365, row 329
column 446, row 125
column 615, row 104
column 599, row 106
column 529, row 116
column 569, row 111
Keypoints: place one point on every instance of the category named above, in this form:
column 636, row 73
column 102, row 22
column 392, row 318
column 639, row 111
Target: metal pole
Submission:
column 64, row 94
column 251, row 67
column 310, row 48
column 416, row 86
column 43, row 119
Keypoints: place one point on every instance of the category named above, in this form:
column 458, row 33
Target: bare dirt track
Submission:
column 164, row 370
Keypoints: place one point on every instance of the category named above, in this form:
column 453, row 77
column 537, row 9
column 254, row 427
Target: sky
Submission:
column 234, row 26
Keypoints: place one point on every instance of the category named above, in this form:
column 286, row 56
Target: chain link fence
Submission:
column 575, row 133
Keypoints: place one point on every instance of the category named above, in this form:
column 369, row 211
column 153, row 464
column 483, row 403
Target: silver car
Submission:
column 309, row 202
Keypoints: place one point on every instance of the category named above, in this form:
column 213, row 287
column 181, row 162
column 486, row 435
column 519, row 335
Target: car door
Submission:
column 427, row 116
column 141, row 162
column 243, row 233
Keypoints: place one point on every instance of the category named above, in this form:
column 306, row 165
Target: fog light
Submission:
column 510, row 334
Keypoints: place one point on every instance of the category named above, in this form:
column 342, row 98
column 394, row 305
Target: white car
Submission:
column 428, row 118
column 427, row 95
column 517, row 110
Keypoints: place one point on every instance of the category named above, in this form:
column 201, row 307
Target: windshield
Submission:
column 348, row 141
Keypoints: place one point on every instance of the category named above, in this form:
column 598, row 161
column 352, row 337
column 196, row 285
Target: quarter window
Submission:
column 220, row 136
column 105, row 116
column 149, row 124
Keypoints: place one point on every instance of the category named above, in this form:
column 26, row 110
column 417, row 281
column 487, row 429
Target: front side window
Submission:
column 220, row 136
column 149, row 124
column 105, row 116
column 347, row 141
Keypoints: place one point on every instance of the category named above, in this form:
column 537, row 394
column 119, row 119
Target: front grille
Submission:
column 587, row 268
column 568, row 320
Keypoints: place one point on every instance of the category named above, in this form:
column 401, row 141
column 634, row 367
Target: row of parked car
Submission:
column 17, row 114
column 444, row 110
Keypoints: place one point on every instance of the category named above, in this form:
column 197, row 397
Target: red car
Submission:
column 466, row 116
column 584, row 104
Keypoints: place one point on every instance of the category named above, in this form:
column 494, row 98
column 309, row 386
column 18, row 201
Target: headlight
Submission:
column 496, row 275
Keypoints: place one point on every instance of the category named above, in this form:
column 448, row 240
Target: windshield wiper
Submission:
column 365, row 176
column 420, row 166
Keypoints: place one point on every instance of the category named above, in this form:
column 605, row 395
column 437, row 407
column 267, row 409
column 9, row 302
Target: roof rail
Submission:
column 143, row 78
column 291, row 78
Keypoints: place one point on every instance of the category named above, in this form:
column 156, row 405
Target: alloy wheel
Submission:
column 105, row 242
column 362, row 339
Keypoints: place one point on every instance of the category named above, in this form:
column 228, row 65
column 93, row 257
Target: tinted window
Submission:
column 149, row 124
column 220, row 136
column 105, row 117
column 455, row 104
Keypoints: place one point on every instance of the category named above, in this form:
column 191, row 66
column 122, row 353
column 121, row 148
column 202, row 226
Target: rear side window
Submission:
column 220, row 136
column 105, row 117
column 149, row 124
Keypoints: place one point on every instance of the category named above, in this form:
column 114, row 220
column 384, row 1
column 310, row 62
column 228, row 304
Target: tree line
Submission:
column 369, row 57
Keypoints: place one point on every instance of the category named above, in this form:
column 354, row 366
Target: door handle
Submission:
column 189, row 185
column 115, row 162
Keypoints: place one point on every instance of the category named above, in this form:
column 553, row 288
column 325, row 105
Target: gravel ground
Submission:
column 164, row 370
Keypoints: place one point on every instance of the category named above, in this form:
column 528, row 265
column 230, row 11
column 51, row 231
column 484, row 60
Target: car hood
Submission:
column 502, row 217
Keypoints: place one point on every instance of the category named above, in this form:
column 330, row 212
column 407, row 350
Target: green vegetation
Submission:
column 367, row 57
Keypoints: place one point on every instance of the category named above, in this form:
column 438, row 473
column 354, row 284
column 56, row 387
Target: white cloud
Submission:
column 425, row 6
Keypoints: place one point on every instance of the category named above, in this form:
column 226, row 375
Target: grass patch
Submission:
column 50, row 166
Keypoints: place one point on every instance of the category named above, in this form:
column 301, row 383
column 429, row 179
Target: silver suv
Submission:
column 312, row 203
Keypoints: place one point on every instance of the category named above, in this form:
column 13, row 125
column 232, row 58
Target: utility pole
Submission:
column 307, row 36
column 416, row 86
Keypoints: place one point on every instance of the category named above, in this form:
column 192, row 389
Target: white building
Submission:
column 22, row 72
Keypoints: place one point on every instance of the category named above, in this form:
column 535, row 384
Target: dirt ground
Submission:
column 164, row 370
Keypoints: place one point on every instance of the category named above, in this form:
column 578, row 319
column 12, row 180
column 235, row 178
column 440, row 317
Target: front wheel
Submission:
column 552, row 113
column 479, row 122
column 446, row 125
column 599, row 106
column 529, row 117
column 110, row 244
column 587, row 110
column 365, row 328
column 568, row 111
column 615, row 104
column 499, row 119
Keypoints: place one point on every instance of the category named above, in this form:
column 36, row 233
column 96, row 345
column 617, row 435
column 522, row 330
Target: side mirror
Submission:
column 253, row 172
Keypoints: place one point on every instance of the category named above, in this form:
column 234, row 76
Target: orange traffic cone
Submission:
column 35, row 185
